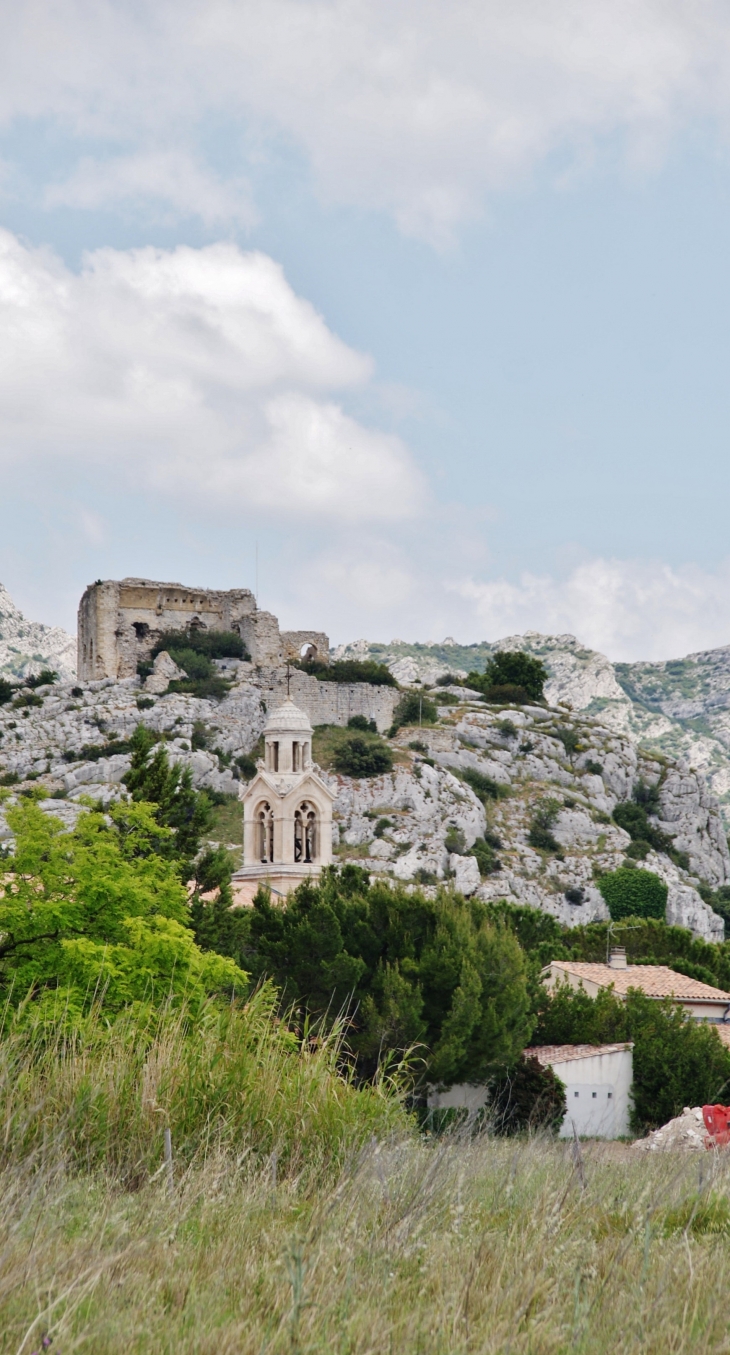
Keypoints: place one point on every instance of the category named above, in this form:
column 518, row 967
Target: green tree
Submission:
column 631, row 892
column 100, row 910
column 516, row 675
column 177, row 805
column 412, row 970
column 359, row 756
column 414, row 709
column 677, row 1061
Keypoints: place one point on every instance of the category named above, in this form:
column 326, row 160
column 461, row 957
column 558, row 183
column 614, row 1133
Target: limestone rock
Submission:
column 164, row 671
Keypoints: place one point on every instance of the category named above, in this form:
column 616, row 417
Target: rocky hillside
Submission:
column 480, row 776
column 28, row 647
column 680, row 707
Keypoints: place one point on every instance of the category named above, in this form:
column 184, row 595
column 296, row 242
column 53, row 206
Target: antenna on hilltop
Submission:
column 257, row 574
column 288, row 678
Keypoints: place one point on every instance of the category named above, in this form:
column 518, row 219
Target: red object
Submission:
column 717, row 1124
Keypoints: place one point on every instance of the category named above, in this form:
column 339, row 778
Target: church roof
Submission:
column 288, row 719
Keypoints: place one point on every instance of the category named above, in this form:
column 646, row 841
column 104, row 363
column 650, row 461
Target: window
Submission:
column 272, row 756
column 305, row 833
column 265, row 833
column 594, row 1095
column 295, row 751
column 575, row 1093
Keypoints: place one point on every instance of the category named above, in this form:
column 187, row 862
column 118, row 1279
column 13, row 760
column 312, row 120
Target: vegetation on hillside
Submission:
column 349, row 670
column 510, row 676
column 412, row 971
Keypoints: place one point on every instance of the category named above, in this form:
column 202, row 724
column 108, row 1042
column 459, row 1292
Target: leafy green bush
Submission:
column 484, row 786
column 213, row 644
column 455, row 840
column 362, row 757
column 485, row 853
column 593, row 767
column 350, row 670
column 430, row 972
column 178, row 806
column 382, row 826
column 145, row 703
column 414, row 709
column 634, row 893
column 362, row 722
column 507, row 728
column 543, row 819
column 510, row 675
column 418, row 747
column 446, row 699
column 100, row 909
column 526, row 1097
column 45, row 678
column 77, row 691
column 570, row 739
column 7, row 691
column 677, row 1061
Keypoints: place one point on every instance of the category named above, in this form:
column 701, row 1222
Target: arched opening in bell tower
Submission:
column 306, row 833
column 265, row 833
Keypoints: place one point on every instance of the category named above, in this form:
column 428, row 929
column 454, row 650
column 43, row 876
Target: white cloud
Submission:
column 198, row 373
column 164, row 183
column 628, row 609
column 410, row 106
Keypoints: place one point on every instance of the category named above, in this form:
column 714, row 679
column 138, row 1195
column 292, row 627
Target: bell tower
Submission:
column 287, row 809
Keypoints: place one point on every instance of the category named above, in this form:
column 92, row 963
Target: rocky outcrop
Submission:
column 27, row 647
column 419, row 822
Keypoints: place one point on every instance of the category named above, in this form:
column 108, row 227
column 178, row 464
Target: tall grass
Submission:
column 307, row 1216
column 237, row 1081
column 459, row 1246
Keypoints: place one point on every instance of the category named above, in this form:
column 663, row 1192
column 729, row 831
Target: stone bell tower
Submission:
column 287, row 809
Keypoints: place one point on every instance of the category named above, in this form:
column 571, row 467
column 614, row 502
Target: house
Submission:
column 701, row 1000
column 597, row 1080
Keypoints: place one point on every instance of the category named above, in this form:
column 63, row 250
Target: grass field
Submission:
column 416, row 1246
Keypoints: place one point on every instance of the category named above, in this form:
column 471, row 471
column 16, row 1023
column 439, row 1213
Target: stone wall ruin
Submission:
column 119, row 623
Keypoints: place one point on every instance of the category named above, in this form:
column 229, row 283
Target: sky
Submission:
column 414, row 317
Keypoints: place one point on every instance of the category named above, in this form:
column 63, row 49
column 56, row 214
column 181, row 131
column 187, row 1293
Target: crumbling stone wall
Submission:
column 119, row 623
column 330, row 703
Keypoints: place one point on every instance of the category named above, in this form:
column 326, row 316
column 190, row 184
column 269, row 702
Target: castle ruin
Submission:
column 120, row 622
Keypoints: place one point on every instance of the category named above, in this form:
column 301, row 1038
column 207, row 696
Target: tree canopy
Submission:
column 412, row 971
column 512, row 675
column 100, row 911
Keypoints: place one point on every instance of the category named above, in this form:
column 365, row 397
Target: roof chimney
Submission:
column 617, row 959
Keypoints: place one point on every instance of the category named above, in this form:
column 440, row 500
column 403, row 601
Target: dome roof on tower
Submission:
column 288, row 719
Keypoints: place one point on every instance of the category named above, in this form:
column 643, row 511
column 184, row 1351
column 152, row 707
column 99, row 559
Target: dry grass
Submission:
column 452, row 1246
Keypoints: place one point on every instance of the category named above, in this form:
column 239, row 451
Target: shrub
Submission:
column 593, row 767
column 414, row 709
column 634, row 893
column 575, row 895
column 382, row 825
column 7, row 691
column 527, row 1097
column 27, row 698
column 507, row 729
column 77, row 691
column 484, row 786
column 350, row 670
column 543, row 819
column 362, row 722
column 446, row 699
column 570, row 740
column 418, row 747
column 446, row 680
column 485, row 854
column 455, row 841
column 145, row 703
column 513, row 670
column 213, row 644
column 45, row 678
column 362, row 757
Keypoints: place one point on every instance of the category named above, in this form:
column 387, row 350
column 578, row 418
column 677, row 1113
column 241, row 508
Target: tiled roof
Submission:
column 566, row 1053
column 723, row 1030
column 656, row 980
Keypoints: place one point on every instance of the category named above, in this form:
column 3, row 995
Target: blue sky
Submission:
column 429, row 303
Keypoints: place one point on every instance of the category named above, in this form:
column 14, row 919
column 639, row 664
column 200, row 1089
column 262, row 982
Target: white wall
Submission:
column 597, row 1091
